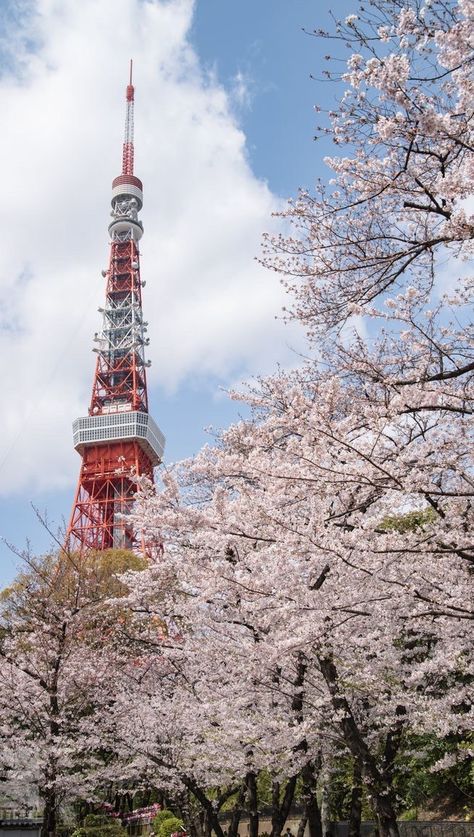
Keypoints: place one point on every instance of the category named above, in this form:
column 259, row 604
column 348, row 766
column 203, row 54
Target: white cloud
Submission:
column 211, row 308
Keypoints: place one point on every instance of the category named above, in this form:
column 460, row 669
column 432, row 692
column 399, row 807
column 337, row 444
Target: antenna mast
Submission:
column 128, row 152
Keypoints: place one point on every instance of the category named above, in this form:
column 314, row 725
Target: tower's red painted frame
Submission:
column 110, row 470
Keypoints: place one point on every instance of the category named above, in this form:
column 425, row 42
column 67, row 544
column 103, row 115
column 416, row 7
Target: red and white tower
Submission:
column 118, row 441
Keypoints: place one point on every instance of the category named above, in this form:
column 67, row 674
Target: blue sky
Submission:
column 224, row 92
column 264, row 40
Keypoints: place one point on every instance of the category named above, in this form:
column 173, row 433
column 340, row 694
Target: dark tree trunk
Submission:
column 312, row 810
column 237, row 812
column 188, row 816
column 388, row 828
column 281, row 807
column 355, row 812
column 325, row 813
column 181, row 808
column 377, row 784
column 276, row 824
column 252, row 796
column 392, row 746
column 211, row 819
column 50, row 795
column 281, row 811
column 210, row 808
column 48, row 828
column 197, row 824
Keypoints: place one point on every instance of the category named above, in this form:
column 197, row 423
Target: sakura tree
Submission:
column 331, row 533
column 291, row 561
column 57, row 646
column 191, row 720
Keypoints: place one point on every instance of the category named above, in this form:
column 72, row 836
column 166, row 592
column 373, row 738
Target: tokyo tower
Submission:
column 118, row 441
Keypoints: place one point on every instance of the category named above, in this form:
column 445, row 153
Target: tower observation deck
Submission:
column 118, row 440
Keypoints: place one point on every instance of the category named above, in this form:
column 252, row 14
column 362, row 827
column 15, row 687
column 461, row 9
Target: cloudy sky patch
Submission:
column 211, row 308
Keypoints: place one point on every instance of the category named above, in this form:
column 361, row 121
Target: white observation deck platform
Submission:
column 113, row 427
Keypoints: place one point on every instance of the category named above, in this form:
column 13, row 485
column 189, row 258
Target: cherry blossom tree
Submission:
column 173, row 723
column 332, row 531
column 56, row 646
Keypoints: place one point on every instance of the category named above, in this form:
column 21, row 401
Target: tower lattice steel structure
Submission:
column 118, row 441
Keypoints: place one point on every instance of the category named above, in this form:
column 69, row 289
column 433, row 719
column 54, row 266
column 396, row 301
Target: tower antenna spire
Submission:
column 128, row 150
column 118, row 441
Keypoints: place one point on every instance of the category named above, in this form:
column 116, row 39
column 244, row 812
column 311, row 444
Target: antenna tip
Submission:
column 130, row 88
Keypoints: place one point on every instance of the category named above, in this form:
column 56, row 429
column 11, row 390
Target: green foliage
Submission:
column 264, row 791
column 93, row 820
column 409, row 815
column 169, row 826
column 117, row 561
column 264, row 787
column 417, row 785
column 408, row 522
column 160, row 817
column 166, row 823
column 339, row 790
column 98, row 825
column 60, row 577
column 468, row 811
